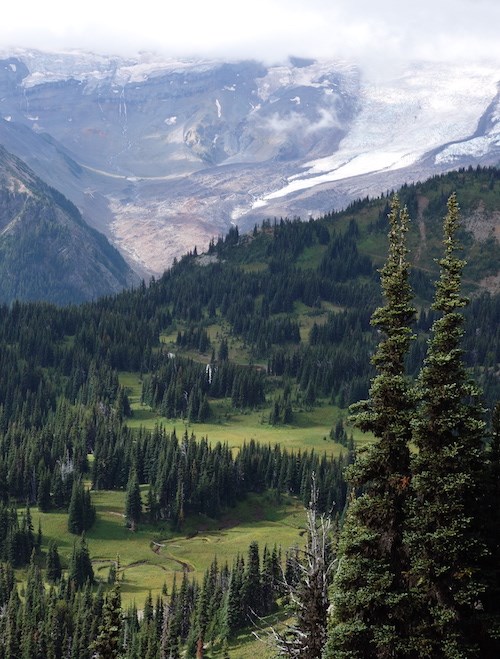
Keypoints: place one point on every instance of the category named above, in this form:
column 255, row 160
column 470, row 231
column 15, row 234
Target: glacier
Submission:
column 162, row 154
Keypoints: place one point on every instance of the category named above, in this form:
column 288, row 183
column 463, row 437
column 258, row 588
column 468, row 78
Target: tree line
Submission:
column 73, row 619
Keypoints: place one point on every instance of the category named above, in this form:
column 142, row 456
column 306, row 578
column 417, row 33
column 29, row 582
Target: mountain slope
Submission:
column 47, row 252
column 164, row 154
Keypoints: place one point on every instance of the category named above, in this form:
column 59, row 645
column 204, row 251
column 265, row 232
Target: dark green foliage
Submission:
column 133, row 502
column 234, row 606
column 180, row 387
column 342, row 260
column 60, row 400
column 190, row 476
column 53, row 567
column 444, row 541
column 281, row 411
column 107, row 643
column 81, row 512
column 80, row 571
column 416, row 575
column 252, row 585
column 17, row 539
column 59, row 389
column 490, row 517
column 194, row 337
column 371, row 603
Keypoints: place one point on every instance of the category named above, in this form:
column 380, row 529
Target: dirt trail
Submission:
column 157, row 547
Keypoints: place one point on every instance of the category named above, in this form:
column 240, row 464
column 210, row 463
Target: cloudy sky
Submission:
column 377, row 32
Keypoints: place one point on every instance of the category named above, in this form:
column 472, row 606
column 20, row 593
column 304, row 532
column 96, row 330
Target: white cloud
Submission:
column 379, row 33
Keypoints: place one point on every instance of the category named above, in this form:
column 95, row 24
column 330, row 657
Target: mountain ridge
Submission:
column 47, row 251
column 161, row 155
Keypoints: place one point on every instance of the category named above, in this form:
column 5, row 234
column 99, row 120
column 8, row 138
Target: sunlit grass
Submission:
column 155, row 555
column 310, row 428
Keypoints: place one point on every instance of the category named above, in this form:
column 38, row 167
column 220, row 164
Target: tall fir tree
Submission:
column 133, row 502
column 33, row 643
column 252, row 584
column 370, row 597
column 107, row 643
column 75, row 511
column 80, row 569
column 53, row 567
column 81, row 512
column 443, row 536
column 234, row 612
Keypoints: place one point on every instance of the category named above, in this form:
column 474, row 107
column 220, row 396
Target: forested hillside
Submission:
column 47, row 251
column 280, row 322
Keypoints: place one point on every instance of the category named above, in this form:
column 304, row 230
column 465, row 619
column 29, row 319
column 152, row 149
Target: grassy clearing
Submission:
column 258, row 266
column 155, row 555
column 310, row 428
column 238, row 351
column 311, row 256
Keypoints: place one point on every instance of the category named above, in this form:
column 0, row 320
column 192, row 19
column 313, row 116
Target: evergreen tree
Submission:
column 53, row 563
column 107, row 643
column 233, row 610
column 81, row 512
column 370, row 600
column 33, row 640
column 80, row 569
column 11, row 639
column 443, row 538
column 43, row 496
column 252, row 585
column 133, row 502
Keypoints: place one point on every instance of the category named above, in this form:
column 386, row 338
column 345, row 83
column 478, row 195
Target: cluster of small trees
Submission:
column 17, row 537
column 179, row 388
column 81, row 512
column 189, row 476
column 73, row 620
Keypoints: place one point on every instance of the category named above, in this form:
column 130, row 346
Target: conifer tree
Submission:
column 80, row 569
column 133, row 502
column 53, row 563
column 200, row 623
column 11, row 639
column 81, row 512
column 234, row 611
column 370, row 597
column 107, row 643
column 252, row 586
column 43, row 495
column 33, row 642
column 75, row 510
column 443, row 538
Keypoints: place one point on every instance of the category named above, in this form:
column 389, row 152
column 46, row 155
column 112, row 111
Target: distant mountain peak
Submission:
column 163, row 154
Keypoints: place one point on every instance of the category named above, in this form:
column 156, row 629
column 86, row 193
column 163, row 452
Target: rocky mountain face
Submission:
column 47, row 251
column 162, row 155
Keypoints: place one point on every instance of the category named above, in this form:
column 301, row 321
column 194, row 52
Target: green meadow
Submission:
column 155, row 555
column 310, row 428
